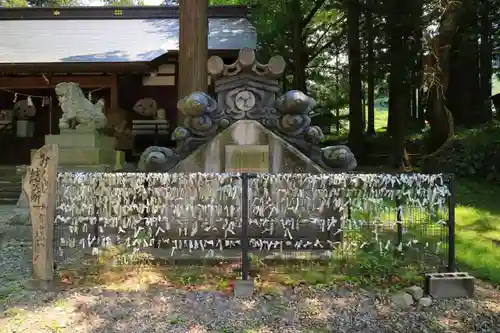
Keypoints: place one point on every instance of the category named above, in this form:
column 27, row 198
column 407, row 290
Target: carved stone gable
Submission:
column 250, row 90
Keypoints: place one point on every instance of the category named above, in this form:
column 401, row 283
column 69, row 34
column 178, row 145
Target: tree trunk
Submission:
column 355, row 137
column 416, row 85
column 464, row 97
column 486, row 61
column 299, row 54
column 193, row 48
column 370, row 69
column 399, row 79
column 438, row 116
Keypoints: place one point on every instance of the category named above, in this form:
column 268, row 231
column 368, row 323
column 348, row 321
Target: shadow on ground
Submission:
column 152, row 300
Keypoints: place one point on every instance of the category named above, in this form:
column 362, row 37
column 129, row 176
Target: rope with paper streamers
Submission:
column 45, row 99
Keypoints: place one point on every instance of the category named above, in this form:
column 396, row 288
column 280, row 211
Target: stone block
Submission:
column 119, row 159
column 86, row 168
column 243, row 288
column 402, row 300
column 416, row 292
column 86, row 156
column 449, row 285
column 424, row 302
column 81, row 140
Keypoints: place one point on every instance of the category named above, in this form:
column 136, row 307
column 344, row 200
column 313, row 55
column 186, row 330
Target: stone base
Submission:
column 87, row 168
column 84, row 156
column 75, row 139
column 86, row 151
column 243, row 288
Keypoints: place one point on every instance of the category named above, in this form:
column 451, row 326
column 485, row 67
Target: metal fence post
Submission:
column 96, row 215
column 245, row 259
column 451, row 223
column 399, row 221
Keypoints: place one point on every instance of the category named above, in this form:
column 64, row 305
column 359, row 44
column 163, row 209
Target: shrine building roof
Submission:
column 111, row 34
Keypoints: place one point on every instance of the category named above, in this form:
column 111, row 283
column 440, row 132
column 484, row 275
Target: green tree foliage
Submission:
column 307, row 33
column 432, row 59
column 38, row 3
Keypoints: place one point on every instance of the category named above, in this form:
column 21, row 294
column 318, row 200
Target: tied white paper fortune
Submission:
column 144, row 209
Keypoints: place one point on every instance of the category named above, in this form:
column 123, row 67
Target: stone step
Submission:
column 8, row 201
column 10, row 185
column 9, row 191
column 7, row 183
column 9, row 172
column 10, row 177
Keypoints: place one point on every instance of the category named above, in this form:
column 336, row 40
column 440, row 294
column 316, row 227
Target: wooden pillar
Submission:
column 193, row 48
column 40, row 186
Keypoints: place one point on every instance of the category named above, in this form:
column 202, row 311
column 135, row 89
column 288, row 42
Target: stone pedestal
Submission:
column 86, row 151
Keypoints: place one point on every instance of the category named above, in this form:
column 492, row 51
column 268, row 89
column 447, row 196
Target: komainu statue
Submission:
column 157, row 159
column 77, row 111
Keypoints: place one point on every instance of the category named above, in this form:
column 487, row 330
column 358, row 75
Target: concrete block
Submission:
column 449, row 285
column 243, row 288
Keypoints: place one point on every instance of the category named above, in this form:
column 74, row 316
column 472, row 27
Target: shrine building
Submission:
column 127, row 56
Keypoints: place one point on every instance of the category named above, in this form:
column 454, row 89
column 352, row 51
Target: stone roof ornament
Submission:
column 246, row 63
column 248, row 89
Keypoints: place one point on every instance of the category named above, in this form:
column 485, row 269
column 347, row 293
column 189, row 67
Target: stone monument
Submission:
column 39, row 187
column 82, row 145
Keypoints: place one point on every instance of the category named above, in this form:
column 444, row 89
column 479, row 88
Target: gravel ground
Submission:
column 169, row 310
column 164, row 308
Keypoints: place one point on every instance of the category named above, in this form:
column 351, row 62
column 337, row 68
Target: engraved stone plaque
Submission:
column 247, row 158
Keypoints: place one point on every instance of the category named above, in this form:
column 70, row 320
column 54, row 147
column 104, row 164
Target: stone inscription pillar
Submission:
column 40, row 185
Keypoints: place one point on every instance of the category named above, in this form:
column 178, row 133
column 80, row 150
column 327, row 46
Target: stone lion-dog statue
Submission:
column 77, row 111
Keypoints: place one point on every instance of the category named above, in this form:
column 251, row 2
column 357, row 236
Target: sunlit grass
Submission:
column 478, row 229
column 381, row 116
column 495, row 85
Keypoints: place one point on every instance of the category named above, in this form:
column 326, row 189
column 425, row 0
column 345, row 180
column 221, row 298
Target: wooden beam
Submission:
column 38, row 82
column 193, row 47
column 112, row 12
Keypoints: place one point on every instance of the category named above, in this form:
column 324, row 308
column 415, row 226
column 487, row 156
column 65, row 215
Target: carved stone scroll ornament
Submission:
column 77, row 111
column 202, row 121
column 338, row 157
column 294, row 119
column 157, row 159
